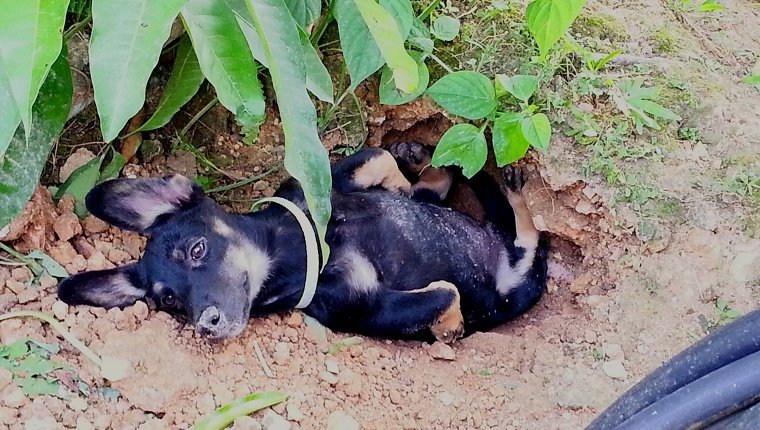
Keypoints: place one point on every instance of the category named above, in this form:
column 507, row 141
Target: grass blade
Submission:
column 247, row 405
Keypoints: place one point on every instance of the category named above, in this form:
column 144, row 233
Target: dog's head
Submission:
column 197, row 263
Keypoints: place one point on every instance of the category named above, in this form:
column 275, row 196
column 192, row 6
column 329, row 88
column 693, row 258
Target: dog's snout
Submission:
column 212, row 322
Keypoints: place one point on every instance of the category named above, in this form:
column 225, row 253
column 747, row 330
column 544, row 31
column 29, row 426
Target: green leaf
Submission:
column 35, row 365
column 402, row 12
column 113, row 168
column 548, row 20
column 9, row 116
column 247, row 405
column 52, row 267
column 38, row 386
column 226, row 59
column 305, row 12
column 468, row 94
column 462, row 145
column 752, row 80
column 522, row 87
column 44, row 348
column 384, row 30
column 711, row 6
column 362, row 56
column 184, row 82
column 390, row 95
column 127, row 39
column 318, row 80
column 537, row 131
column 30, row 41
column 15, row 350
column 655, row 109
column 445, row 28
column 305, row 157
column 21, row 168
column 79, row 183
column 509, row 143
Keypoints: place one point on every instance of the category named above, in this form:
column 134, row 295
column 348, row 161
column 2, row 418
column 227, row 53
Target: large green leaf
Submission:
column 522, row 87
column 184, row 82
column 548, row 20
column 509, row 144
column 22, row 165
column 360, row 51
column 79, row 183
column 537, row 131
column 318, row 79
column 468, row 94
column 226, row 59
column 402, row 12
column 385, row 31
column 304, row 12
column 390, row 95
column 30, row 41
column 9, row 116
column 127, row 38
column 462, row 145
column 305, row 156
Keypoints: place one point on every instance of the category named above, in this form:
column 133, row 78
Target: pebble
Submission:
column 12, row 397
column 441, row 351
column 331, row 365
column 5, row 377
column 294, row 320
column 340, row 420
column 140, row 311
column 28, row 295
column 245, row 423
column 273, row 421
column 22, row 274
column 94, row 225
column 66, row 226
column 15, row 286
column 328, row 377
column 281, row 353
column 78, row 404
column 294, row 411
column 60, row 310
column 615, row 369
column 613, row 351
column 83, row 424
column 77, row 159
column 446, row 398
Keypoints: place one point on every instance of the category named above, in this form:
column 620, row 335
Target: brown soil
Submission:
column 620, row 300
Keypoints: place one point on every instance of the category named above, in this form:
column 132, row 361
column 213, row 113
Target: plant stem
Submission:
column 441, row 63
column 428, row 10
column 14, row 253
column 74, row 29
column 198, row 116
column 243, row 182
column 321, row 27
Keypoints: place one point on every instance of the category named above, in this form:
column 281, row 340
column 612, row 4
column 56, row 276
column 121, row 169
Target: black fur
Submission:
column 407, row 243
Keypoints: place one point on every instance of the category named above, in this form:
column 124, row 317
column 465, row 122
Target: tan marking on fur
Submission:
column 434, row 179
column 245, row 257
column 222, row 228
column 163, row 199
column 527, row 234
column 382, row 170
column 450, row 324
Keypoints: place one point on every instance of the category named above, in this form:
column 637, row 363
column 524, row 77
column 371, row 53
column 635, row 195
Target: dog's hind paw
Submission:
column 449, row 326
column 515, row 178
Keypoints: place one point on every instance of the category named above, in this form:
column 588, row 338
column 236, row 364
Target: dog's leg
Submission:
column 526, row 234
column 433, row 183
column 370, row 167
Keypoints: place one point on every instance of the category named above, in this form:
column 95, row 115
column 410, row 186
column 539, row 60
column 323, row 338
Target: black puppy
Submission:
column 401, row 265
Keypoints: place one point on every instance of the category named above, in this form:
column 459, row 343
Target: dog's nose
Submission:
column 211, row 322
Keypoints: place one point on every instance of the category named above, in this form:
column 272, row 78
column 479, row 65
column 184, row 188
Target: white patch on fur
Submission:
column 509, row 277
column 158, row 287
column 161, row 197
column 244, row 257
column 222, row 228
column 360, row 273
column 117, row 290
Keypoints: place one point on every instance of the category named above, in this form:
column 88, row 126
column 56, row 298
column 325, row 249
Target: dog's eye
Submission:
column 198, row 250
column 168, row 300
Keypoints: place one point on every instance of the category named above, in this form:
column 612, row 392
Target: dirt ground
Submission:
column 631, row 284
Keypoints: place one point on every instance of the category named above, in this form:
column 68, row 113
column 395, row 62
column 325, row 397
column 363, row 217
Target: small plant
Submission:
column 597, row 354
column 29, row 362
column 224, row 416
column 702, row 6
column 639, row 103
column 37, row 261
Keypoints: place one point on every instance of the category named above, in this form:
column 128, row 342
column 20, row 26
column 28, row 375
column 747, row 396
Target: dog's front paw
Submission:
column 449, row 326
column 515, row 178
column 411, row 156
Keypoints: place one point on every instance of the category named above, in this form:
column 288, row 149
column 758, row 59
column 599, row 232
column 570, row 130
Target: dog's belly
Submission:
column 411, row 244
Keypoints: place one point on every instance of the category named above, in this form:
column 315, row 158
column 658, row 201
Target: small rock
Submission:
column 94, row 225
column 6, row 377
column 581, row 283
column 140, row 311
column 446, row 398
column 98, row 261
column 699, row 151
column 332, row 365
column 22, row 274
column 340, row 420
column 84, row 424
column 281, row 353
column 273, row 421
column 441, row 351
column 613, row 351
column 63, row 253
column 79, row 158
column 78, row 404
column 589, row 336
column 117, row 256
column 328, row 377
column 67, row 226
column 12, row 397
column 48, row 282
column 294, row 320
column 294, row 411
column 60, row 310
column 15, row 286
column 585, row 207
column 28, row 295
column 260, row 186
column 615, row 369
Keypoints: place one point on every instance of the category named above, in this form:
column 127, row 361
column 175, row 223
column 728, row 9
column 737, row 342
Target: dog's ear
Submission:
column 110, row 288
column 139, row 204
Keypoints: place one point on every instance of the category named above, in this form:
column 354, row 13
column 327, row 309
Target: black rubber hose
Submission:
column 703, row 401
column 732, row 342
column 748, row 419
